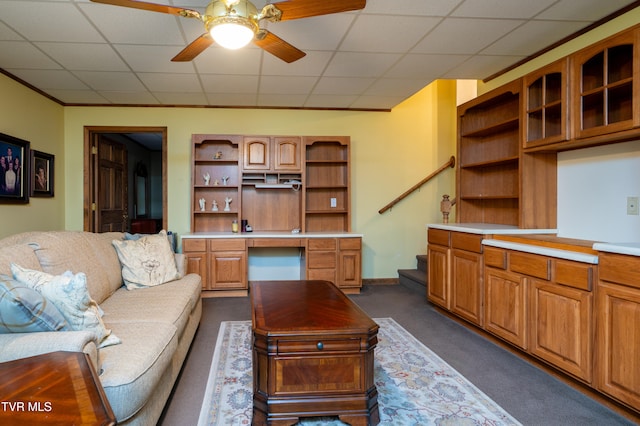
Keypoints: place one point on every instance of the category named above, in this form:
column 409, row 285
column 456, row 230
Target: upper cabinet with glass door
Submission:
column 606, row 87
column 545, row 119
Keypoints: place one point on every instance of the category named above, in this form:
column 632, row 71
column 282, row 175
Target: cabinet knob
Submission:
column 320, row 346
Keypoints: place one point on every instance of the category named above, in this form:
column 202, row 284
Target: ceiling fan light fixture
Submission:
column 232, row 32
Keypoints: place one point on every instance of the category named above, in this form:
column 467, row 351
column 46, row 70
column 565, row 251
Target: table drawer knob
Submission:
column 320, row 346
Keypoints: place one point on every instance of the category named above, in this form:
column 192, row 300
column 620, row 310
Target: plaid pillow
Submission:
column 24, row 310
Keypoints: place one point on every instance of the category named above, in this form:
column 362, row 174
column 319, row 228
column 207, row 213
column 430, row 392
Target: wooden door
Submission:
column 505, row 306
column 110, row 196
column 287, row 154
column 255, row 154
column 466, row 285
column 438, row 275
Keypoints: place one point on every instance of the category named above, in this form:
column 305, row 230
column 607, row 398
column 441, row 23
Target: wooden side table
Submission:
column 59, row 388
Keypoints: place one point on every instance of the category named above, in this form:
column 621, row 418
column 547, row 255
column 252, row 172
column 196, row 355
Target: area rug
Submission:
column 415, row 386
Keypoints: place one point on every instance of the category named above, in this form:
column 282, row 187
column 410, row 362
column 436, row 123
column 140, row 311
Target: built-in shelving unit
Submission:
column 327, row 193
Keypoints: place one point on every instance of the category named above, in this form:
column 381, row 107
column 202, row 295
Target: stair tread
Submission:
column 414, row 273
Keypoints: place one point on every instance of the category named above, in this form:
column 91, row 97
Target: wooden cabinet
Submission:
column 327, row 188
column 350, row 264
column 542, row 305
column 466, row 277
column 337, row 260
column 545, row 105
column 605, row 84
column 215, row 178
column 221, row 263
column 438, row 273
column 618, row 329
column 272, row 153
column 195, row 250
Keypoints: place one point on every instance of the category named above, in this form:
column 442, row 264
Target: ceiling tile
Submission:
column 232, row 99
column 318, row 33
column 50, row 79
column 311, row 65
column 162, row 82
column 152, row 58
column 7, row 33
column 465, row 35
column 179, row 98
column 356, row 64
column 429, row 67
column 133, row 98
column 281, row 100
column 214, row 83
column 509, row 9
column 84, row 56
column 483, row 66
column 330, row 101
column 78, row 96
column 216, row 60
column 583, row 10
column 411, row 7
column 98, row 80
column 22, row 54
column 286, row 85
column 342, row 85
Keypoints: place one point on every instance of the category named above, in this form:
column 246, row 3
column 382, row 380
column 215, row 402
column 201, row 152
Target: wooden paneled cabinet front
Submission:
column 276, row 153
column 337, row 260
column 618, row 334
column 221, row 263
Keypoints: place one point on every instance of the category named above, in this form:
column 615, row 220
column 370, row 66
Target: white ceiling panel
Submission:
column 82, row 52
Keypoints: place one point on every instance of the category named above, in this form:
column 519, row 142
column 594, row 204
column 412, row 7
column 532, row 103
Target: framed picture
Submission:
column 15, row 170
column 43, row 172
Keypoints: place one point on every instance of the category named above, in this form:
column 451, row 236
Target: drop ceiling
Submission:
column 83, row 53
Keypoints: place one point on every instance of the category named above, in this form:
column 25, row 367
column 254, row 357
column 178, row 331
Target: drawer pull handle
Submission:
column 320, row 346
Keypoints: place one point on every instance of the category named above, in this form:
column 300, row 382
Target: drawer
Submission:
column 350, row 243
column 619, row 268
column 193, row 245
column 321, row 244
column 438, row 236
column 468, row 242
column 530, row 264
column 318, row 345
column 322, row 275
column 495, row 257
column 574, row 274
column 224, row 244
column 321, row 259
column 275, row 242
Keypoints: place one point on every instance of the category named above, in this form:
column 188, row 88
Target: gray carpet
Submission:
column 526, row 392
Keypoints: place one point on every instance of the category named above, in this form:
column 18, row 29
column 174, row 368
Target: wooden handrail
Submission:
column 449, row 164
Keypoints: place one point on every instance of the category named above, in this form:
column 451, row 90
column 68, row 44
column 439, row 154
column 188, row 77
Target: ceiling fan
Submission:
column 235, row 23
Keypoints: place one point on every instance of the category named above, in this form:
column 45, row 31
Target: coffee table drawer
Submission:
column 320, row 345
column 317, row 375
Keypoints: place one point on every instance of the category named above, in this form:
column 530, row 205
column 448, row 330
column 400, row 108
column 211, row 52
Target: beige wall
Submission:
column 26, row 115
column 390, row 152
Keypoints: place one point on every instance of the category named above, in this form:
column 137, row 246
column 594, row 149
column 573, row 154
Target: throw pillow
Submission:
column 147, row 261
column 68, row 292
column 24, row 310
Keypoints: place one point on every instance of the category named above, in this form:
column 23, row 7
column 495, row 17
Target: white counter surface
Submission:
column 545, row 251
column 271, row 235
column 489, row 228
column 632, row 249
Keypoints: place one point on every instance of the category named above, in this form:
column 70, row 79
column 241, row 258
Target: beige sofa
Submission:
column 156, row 324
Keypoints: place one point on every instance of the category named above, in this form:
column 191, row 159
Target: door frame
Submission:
column 89, row 173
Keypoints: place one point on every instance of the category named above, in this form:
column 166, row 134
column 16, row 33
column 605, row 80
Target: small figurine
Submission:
column 218, row 155
column 227, row 201
column 216, row 182
column 207, row 178
column 224, row 180
column 214, row 207
column 202, row 202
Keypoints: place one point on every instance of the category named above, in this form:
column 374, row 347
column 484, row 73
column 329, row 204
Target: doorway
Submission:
column 125, row 186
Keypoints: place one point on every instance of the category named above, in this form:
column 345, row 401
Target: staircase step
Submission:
column 422, row 262
column 413, row 278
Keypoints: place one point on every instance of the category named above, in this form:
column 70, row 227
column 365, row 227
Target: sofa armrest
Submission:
column 181, row 264
column 22, row 345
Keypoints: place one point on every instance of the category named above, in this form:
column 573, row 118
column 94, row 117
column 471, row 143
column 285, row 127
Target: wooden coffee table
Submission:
column 58, row 388
column 313, row 354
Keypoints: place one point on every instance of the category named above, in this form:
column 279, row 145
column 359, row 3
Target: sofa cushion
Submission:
column 170, row 303
column 131, row 371
column 91, row 253
column 147, row 261
column 68, row 292
column 13, row 252
column 24, row 310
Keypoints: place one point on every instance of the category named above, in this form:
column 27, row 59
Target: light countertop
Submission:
column 632, row 249
column 271, row 235
column 488, row 228
column 542, row 250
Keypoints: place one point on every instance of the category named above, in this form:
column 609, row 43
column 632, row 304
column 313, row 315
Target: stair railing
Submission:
column 449, row 164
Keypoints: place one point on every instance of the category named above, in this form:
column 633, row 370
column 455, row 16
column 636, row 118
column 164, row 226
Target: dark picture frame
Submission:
column 42, row 181
column 15, row 182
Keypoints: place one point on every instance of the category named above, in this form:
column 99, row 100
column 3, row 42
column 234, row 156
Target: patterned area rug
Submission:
column 415, row 386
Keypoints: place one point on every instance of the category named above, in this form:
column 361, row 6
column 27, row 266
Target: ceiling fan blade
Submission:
column 153, row 7
column 195, row 48
column 296, row 9
column 277, row 46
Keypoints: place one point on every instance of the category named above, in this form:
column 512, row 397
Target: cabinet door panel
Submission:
column 438, row 272
column 197, row 264
column 466, row 285
column 286, row 154
column 561, row 327
column 349, row 272
column 228, row 270
column 618, row 342
column 505, row 307
column 256, row 154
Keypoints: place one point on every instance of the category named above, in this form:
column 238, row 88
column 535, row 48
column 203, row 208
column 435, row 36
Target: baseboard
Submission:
column 380, row 281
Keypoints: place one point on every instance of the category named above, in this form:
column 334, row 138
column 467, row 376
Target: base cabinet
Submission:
column 618, row 334
column 466, row 285
column 505, row 306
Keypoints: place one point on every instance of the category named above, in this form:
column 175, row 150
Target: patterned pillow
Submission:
column 147, row 261
column 24, row 310
column 68, row 292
